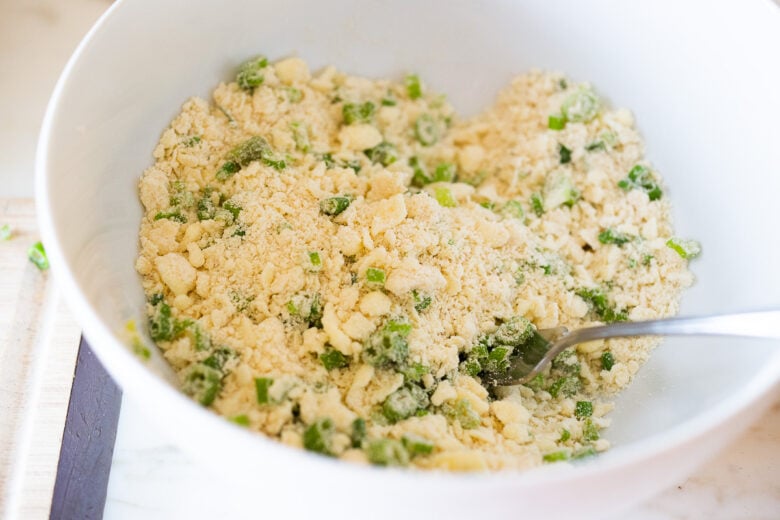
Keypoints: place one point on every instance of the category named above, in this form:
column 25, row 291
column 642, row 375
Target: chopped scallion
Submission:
column 687, row 249
column 37, row 255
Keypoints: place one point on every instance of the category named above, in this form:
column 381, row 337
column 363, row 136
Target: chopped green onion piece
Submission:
column 687, row 249
column 384, row 153
column 300, row 136
column 513, row 209
column 564, row 154
column 583, row 409
column 404, row 403
column 192, row 141
column 416, row 445
column 387, row 452
column 359, row 433
column 332, row 358
column 537, row 204
column 559, row 190
column 444, row 197
column 413, row 86
column 37, row 255
column 317, row 437
column 581, row 106
column 292, row 308
column 599, row 304
column 227, row 170
column 556, row 456
column 314, row 315
column 333, row 206
column 250, row 73
column 161, row 323
column 219, row 357
column 388, row 346
column 445, row 172
column 610, row 236
column 556, row 122
column 565, row 386
column 241, row 420
column 419, row 176
column 294, row 95
column 565, row 435
column 375, row 276
column 255, row 148
column 426, row 130
column 647, row 258
column 5, row 232
column 596, row 145
column 421, row 301
column 462, row 412
column 515, row 331
column 641, row 178
column 587, row 451
column 357, row 112
column 607, row 360
column 413, row 373
column 590, row 432
column 173, row 214
column 389, row 100
column 315, row 261
column 202, row 382
column 262, row 384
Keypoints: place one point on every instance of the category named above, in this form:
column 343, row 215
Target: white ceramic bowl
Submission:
column 702, row 80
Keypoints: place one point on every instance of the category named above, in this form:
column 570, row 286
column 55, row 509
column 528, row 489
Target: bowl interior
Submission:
column 706, row 105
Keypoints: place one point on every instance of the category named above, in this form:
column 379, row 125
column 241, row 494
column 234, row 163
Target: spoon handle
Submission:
column 761, row 324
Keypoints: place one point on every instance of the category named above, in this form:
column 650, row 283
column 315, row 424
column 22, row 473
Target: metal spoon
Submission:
column 537, row 354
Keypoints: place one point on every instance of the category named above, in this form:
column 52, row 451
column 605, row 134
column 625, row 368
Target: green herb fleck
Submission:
column 5, row 232
column 262, row 384
column 332, row 359
column 611, row 236
column 581, row 106
column 404, row 402
column 462, row 412
column 564, row 154
column 333, row 206
column 358, row 434
column 375, row 276
column 444, row 197
column 417, row 445
column 202, row 383
column 583, row 409
column 556, row 122
column 590, row 432
column 641, row 178
column 37, row 255
column 687, row 249
column 384, row 153
column 413, row 86
column 607, row 360
column 556, row 456
column 426, row 130
column 250, row 73
column 421, row 301
column 537, row 204
column 318, row 436
column 386, row 452
column 241, row 420
column 357, row 112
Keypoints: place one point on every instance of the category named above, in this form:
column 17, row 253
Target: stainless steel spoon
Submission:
column 536, row 355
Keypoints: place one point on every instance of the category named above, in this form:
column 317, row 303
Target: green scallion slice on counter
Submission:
column 37, row 255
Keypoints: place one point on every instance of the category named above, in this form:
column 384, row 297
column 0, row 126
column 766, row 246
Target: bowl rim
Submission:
column 132, row 373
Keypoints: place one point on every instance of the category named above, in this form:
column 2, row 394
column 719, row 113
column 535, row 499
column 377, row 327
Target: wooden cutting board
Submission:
column 39, row 341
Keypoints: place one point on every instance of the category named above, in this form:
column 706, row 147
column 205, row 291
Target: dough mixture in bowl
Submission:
column 341, row 263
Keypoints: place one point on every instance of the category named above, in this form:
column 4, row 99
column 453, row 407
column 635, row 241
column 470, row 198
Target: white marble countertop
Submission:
column 151, row 478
